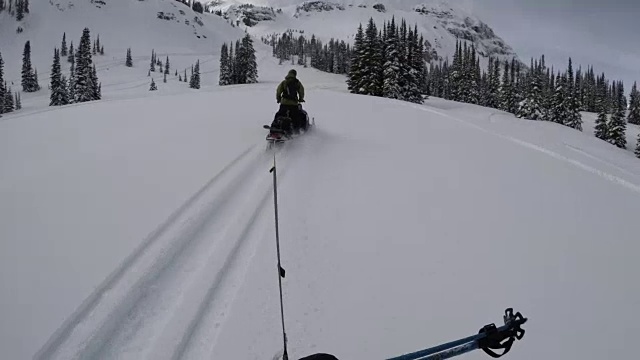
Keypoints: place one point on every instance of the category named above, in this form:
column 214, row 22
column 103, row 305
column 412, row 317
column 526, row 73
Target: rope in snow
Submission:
column 281, row 271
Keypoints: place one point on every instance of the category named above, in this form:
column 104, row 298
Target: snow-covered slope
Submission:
column 440, row 22
column 167, row 26
column 143, row 228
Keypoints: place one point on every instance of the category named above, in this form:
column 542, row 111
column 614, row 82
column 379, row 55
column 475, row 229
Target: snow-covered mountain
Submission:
column 440, row 22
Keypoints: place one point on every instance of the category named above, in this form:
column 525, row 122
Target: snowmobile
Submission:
column 284, row 128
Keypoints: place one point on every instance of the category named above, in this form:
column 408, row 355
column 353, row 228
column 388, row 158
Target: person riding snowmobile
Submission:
column 290, row 95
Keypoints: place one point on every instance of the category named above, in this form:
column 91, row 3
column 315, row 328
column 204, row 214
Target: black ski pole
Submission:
column 281, row 272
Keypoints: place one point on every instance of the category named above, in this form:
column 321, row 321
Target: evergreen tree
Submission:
column 2, row 7
column 72, row 83
column 2, row 86
column 184, row 78
column 58, row 88
column 129, row 61
column 102, row 50
column 194, row 83
column 165, row 78
column 85, row 78
column 153, row 61
column 391, row 68
column 506, row 91
column 531, row 106
column 372, row 61
column 355, row 75
column 559, row 110
column 64, row 50
column 29, row 83
column 153, row 86
column 26, row 6
column 634, row 106
column 71, row 56
column 617, row 125
column 19, row 11
column 494, row 84
column 9, row 105
column 95, row 84
column 637, row 152
column 574, row 118
column 166, row 66
column 225, row 69
column 246, row 66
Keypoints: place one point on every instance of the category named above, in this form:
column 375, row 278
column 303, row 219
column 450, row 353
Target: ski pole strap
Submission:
column 502, row 338
column 489, row 338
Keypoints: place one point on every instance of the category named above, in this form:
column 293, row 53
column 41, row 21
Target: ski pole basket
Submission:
column 489, row 338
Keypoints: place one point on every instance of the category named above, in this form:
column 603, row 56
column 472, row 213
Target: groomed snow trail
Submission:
column 169, row 298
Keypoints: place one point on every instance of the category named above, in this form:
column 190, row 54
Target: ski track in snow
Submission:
column 605, row 175
column 169, row 298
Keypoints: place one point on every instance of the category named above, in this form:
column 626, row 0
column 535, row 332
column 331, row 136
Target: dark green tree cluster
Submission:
column 17, row 8
column 388, row 62
column 240, row 67
column 333, row 57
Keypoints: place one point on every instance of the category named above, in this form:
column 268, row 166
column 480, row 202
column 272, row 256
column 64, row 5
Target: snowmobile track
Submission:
column 176, row 287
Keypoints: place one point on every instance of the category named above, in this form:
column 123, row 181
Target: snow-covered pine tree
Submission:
column 129, row 60
column 166, row 66
column 71, row 56
column 531, row 106
column 559, row 111
column 224, row 78
column 372, row 61
column 164, row 80
column 98, row 46
column 637, row 151
column 94, row 83
column 152, row 67
column 29, row 83
column 19, row 10
column 2, row 88
column 9, row 105
column 26, row 6
column 574, row 118
column 617, row 125
column 153, row 86
column 412, row 91
column 64, row 49
column 634, row 106
column 72, row 83
column 184, row 78
column 391, row 68
column 58, row 95
column 3, row 6
column 506, row 88
column 251, row 70
column 493, row 85
column 195, row 77
column 354, row 77
column 85, row 81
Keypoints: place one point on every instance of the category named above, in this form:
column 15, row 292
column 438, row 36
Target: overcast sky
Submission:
column 602, row 33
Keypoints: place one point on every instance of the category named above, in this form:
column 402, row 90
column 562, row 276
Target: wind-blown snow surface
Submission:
column 143, row 229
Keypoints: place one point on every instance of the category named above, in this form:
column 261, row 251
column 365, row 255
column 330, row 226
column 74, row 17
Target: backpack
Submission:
column 291, row 88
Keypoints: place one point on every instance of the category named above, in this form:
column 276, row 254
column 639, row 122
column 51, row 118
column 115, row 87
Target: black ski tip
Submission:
column 282, row 272
column 272, row 169
column 266, row 127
